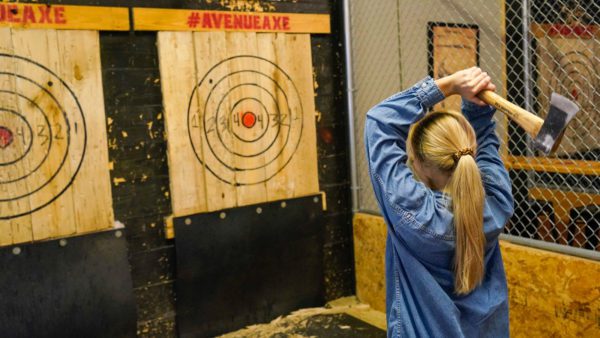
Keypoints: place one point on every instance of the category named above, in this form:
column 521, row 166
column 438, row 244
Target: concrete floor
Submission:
column 344, row 317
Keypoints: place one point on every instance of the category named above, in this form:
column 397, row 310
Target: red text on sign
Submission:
column 250, row 22
column 27, row 14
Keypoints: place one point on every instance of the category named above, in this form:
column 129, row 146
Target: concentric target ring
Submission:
column 256, row 139
column 233, row 109
column 574, row 75
column 51, row 152
column 245, row 120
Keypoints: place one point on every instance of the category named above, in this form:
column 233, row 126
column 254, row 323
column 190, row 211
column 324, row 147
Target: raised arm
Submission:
column 386, row 131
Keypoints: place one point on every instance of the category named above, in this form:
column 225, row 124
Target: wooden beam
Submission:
column 563, row 200
column 154, row 19
column 17, row 15
column 553, row 165
column 169, row 227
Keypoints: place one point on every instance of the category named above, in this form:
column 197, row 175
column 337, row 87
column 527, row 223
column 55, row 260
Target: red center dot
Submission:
column 248, row 119
column 574, row 93
column 6, row 137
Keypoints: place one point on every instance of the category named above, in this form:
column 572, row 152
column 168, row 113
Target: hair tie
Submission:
column 457, row 155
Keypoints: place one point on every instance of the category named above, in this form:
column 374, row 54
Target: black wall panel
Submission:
column 74, row 287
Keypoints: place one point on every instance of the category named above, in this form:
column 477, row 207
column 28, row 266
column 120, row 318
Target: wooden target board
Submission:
column 568, row 65
column 54, row 178
column 240, row 118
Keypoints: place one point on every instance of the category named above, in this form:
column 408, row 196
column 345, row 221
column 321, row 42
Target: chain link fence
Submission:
column 531, row 49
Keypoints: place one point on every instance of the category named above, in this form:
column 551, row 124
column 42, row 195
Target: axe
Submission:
column 547, row 133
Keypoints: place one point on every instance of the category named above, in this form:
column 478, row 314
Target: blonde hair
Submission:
column 447, row 141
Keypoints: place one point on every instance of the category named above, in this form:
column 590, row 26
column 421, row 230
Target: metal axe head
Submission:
column 562, row 111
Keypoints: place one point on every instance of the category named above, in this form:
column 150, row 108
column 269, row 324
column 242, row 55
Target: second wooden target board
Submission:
column 240, row 118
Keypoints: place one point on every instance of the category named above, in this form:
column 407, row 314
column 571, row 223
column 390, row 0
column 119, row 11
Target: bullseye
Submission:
column 574, row 94
column 6, row 137
column 248, row 119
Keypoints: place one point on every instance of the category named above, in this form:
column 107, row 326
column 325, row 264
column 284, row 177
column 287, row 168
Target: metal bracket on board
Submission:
column 248, row 264
column 77, row 286
column 170, row 228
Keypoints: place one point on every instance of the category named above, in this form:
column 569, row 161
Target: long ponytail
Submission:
column 447, row 141
column 467, row 193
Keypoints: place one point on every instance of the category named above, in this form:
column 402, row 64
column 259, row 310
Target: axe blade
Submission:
column 562, row 111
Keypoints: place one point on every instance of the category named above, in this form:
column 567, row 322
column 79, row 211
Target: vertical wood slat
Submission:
column 175, row 87
column 42, row 46
column 300, row 176
column 12, row 229
column 92, row 195
column 209, row 50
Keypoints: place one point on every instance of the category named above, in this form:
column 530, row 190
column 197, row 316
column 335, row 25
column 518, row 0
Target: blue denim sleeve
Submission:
column 402, row 198
column 496, row 180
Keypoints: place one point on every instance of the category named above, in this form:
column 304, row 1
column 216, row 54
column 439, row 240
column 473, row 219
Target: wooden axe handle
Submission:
column 528, row 121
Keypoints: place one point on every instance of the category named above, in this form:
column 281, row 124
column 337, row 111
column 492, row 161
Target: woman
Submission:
column 445, row 196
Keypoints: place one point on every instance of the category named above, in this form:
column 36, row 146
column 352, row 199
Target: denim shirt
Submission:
column 420, row 298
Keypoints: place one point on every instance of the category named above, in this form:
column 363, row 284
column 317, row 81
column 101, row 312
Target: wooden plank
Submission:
column 210, row 50
column 563, row 201
column 193, row 20
column 550, row 294
column 250, row 133
column 18, row 15
column 8, row 100
column 15, row 142
column 42, row 46
column 553, row 165
column 370, row 233
column 244, row 103
column 63, row 183
column 178, row 77
column 80, row 68
column 298, row 177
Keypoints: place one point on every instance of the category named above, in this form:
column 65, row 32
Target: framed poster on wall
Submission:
column 451, row 47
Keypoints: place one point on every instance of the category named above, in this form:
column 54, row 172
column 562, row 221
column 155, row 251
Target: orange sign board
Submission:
column 198, row 20
column 18, row 15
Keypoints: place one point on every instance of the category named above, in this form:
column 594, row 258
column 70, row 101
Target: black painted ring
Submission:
column 68, row 133
column 264, row 109
column 275, row 136
column 295, row 147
